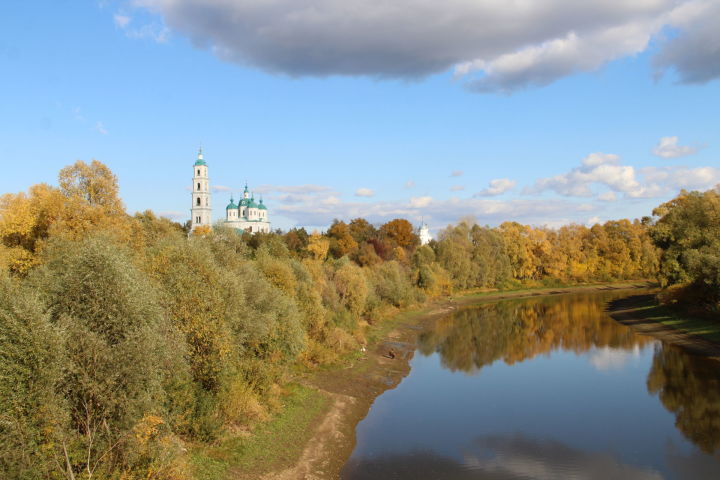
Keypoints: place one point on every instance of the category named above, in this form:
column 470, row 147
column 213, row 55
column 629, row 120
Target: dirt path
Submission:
column 633, row 312
column 353, row 388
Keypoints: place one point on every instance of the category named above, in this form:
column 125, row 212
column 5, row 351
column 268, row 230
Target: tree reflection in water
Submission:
column 517, row 330
column 689, row 387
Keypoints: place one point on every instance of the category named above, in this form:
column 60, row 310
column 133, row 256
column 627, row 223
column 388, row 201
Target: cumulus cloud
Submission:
column 668, row 148
column 509, row 45
column 364, row 192
column 320, row 208
column 695, row 52
column 497, row 186
column 604, row 169
column 669, row 179
column 596, row 168
column 608, row 196
column 420, row 202
column 593, row 221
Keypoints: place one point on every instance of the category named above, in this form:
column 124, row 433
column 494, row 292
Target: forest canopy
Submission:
column 122, row 337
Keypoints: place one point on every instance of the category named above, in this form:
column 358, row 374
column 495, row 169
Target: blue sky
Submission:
column 329, row 112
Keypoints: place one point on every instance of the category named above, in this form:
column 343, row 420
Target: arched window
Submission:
column 207, row 202
column 198, row 172
column 198, row 201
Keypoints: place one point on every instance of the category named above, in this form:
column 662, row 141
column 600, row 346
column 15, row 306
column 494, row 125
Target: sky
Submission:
column 545, row 112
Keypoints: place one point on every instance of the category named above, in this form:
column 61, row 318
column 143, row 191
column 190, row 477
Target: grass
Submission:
column 274, row 445
column 708, row 328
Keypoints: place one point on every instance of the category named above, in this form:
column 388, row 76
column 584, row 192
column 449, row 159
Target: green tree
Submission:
column 688, row 233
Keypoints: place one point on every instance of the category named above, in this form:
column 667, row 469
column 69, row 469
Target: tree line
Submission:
column 123, row 337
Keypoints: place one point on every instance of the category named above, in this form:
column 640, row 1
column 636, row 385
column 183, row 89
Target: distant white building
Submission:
column 424, row 234
column 247, row 216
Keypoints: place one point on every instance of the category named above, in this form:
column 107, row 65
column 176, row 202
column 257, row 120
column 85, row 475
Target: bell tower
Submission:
column 201, row 211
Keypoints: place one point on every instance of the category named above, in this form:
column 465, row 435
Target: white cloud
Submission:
column 410, row 184
column 121, row 21
column 608, row 196
column 299, row 189
column 668, row 148
column 221, row 188
column 364, row 192
column 605, row 170
column 100, row 128
column 420, row 202
column 511, row 45
column 173, row 215
column 457, row 188
column 457, row 173
column 593, row 221
column 497, row 186
column 596, row 168
column 672, row 179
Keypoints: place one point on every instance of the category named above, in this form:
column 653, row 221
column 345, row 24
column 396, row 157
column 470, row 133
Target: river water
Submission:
column 544, row 388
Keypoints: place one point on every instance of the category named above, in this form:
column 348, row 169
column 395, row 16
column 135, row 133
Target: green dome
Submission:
column 252, row 203
column 200, row 161
column 231, row 204
column 262, row 205
column 244, row 202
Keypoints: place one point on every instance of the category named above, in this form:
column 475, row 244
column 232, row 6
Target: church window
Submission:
column 198, row 172
column 198, row 201
column 198, row 186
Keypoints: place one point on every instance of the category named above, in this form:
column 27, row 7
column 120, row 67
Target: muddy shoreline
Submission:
column 353, row 388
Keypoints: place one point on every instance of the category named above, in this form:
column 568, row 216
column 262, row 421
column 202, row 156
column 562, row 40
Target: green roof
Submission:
column 244, row 202
column 262, row 205
column 252, row 203
column 231, row 204
column 200, row 160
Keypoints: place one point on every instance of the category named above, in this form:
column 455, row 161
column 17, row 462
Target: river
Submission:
column 543, row 388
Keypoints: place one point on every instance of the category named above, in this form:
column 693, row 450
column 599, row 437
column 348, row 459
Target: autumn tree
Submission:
column 341, row 241
column 400, row 232
column 361, row 230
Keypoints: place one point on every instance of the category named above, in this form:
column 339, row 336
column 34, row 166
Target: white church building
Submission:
column 247, row 215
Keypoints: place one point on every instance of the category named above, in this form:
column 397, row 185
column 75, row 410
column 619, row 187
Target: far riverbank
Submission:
column 700, row 336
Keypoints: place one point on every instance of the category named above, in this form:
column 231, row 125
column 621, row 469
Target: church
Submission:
column 245, row 216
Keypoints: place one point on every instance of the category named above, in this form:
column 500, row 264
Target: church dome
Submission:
column 200, row 161
column 231, row 205
column 244, row 202
column 262, row 206
column 252, row 203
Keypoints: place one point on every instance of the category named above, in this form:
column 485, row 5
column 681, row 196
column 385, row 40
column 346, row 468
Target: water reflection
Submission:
column 500, row 458
column 608, row 403
column 518, row 330
column 689, row 386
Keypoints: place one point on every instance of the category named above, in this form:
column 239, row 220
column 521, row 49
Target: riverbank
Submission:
column 700, row 336
column 316, row 434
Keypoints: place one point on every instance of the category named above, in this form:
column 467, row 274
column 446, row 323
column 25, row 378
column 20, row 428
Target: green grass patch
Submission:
column 708, row 328
column 274, row 445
